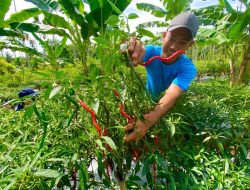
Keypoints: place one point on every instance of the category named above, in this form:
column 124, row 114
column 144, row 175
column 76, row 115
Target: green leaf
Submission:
column 101, row 3
column 162, row 163
column 22, row 49
column 28, row 27
column 137, row 167
column 99, row 15
column 100, row 169
column 7, row 32
column 112, row 20
column 153, row 9
column 133, row 16
column 206, row 139
column 71, row 11
column 144, row 32
column 55, row 91
column 145, row 167
column 194, row 178
column 60, row 32
column 28, row 113
column 227, row 5
column 13, row 181
column 39, row 39
column 114, row 7
column 110, row 142
column 55, row 20
column 5, row 5
column 213, row 36
column 99, row 144
column 172, row 129
column 65, row 180
column 44, row 4
column 47, row 173
column 83, row 175
column 101, row 41
column 195, row 169
column 226, row 167
column 172, row 182
column 2, row 169
column 221, row 147
column 244, row 149
column 23, row 15
column 56, row 160
column 240, row 25
column 59, row 49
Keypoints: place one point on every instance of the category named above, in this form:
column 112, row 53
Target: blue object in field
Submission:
column 23, row 93
column 27, row 92
column 19, row 106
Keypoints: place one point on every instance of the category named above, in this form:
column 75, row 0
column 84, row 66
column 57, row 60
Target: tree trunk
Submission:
column 244, row 76
column 122, row 185
column 232, row 72
column 14, row 6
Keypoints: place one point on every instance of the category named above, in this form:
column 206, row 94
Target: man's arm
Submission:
column 140, row 128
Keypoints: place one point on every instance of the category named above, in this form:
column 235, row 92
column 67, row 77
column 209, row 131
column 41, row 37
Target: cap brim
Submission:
column 171, row 28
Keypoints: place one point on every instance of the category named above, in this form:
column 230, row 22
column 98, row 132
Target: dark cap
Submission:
column 186, row 20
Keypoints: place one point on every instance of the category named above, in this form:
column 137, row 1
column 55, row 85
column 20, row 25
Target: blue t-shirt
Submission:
column 160, row 76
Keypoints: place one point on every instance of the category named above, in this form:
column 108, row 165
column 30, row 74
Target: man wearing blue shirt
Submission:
column 171, row 78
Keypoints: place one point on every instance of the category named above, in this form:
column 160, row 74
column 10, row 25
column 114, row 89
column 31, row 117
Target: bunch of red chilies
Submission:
column 130, row 119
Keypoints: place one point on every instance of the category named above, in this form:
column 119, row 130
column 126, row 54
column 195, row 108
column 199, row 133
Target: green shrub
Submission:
column 212, row 67
column 6, row 67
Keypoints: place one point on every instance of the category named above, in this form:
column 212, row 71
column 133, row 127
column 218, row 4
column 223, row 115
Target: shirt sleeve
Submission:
column 150, row 52
column 185, row 76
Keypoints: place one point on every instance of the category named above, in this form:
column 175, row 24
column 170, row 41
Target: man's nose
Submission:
column 174, row 46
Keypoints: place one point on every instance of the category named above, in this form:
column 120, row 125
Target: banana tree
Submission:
column 234, row 26
column 14, row 31
column 168, row 11
column 75, row 23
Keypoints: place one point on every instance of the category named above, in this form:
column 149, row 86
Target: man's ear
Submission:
column 191, row 43
column 164, row 35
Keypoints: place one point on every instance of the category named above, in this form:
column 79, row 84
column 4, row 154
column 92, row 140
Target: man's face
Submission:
column 178, row 39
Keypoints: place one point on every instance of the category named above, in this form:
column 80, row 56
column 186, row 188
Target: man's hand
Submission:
column 136, row 50
column 137, row 129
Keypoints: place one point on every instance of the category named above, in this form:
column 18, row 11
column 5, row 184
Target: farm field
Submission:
column 203, row 140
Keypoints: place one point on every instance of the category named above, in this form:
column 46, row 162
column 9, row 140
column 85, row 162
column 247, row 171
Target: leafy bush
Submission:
column 212, row 68
column 6, row 67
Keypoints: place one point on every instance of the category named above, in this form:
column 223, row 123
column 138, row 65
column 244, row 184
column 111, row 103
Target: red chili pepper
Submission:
column 107, row 171
column 156, row 140
column 122, row 110
column 167, row 59
column 129, row 118
column 105, row 132
column 92, row 113
column 116, row 93
column 154, row 173
column 136, row 154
